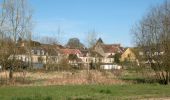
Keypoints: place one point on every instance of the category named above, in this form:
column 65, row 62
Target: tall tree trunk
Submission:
column 10, row 73
column 167, row 78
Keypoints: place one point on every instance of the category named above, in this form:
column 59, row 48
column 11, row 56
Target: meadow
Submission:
column 97, row 85
column 85, row 92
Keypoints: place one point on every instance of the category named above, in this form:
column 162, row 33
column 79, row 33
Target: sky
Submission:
column 112, row 20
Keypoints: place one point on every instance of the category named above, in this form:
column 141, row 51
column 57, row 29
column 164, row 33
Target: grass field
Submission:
column 85, row 92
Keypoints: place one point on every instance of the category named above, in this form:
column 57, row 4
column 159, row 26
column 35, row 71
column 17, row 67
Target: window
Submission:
column 38, row 52
column 22, row 59
column 42, row 52
column 129, row 55
column 26, row 59
column 32, row 52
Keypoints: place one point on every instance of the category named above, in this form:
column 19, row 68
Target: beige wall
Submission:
column 128, row 55
column 99, row 49
column 107, row 60
column 35, row 59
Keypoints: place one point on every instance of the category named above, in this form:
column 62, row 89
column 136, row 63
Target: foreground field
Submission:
column 85, row 92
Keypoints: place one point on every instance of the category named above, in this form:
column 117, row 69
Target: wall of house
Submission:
column 99, row 49
column 53, row 59
column 108, row 54
column 92, row 59
column 107, row 60
column 88, row 59
column 128, row 55
column 35, row 59
column 24, row 58
column 109, row 67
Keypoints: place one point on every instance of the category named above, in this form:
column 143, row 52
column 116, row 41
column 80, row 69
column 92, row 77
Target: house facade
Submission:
column 107, row 51
column 40, row 55
column 37, row 55
column 128, row 55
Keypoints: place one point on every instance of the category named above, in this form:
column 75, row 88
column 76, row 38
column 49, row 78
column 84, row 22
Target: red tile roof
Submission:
column 71, row 51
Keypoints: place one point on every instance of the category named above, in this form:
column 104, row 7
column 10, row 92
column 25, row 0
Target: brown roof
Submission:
column 56, row 46
column 51, row 49
column 113, row 48
column 70, row 51
column 26, row 43
column 21, row 50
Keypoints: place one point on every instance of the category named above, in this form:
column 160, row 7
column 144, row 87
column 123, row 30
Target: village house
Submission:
column 140, row 56
column 53, row 54
column 21, row 54
column 40, row 55
column 91, row 57
column 107, row 51
column 36, row 54
column 128, row 55
column 73, row 56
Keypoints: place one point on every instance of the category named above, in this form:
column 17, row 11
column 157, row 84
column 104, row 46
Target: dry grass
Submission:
column 83, row 77
column 61, row 78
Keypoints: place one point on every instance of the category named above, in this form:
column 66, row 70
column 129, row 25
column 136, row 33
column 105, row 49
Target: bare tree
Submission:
column 152, row 36
column 91, row 38
column 54, row 39
column 16, row 21
column 48, row 40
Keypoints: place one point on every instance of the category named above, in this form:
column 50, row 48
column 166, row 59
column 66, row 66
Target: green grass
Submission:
column 85, row 92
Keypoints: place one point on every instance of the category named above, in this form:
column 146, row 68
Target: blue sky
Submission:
column 111, row 19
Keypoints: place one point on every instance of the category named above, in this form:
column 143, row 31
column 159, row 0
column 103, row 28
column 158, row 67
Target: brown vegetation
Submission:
column 61, row 78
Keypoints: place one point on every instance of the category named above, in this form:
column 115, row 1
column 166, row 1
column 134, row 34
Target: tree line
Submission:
column 152, row 36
